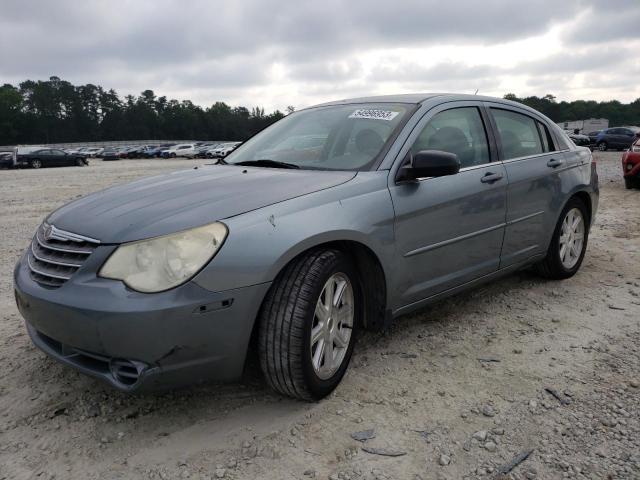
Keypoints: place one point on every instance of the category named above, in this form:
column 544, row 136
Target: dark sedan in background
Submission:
column 579, row 139
column 37, row 157
column 618, row 138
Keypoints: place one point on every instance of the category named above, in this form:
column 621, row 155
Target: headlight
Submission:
column 165, row 262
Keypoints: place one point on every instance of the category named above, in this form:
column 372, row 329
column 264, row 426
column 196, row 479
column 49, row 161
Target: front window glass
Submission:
column 340, row 137
column 459, row 131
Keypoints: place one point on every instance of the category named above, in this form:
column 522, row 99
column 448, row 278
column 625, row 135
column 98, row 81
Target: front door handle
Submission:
column 554, row 162
column 491, row 177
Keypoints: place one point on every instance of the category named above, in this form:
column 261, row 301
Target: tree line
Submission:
column 617, row 113
column 56, row 111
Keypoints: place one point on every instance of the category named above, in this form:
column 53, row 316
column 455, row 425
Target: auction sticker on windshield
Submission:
column 374, row 114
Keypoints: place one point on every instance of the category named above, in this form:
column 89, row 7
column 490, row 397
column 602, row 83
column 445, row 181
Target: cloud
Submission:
column 604, row 21
column 281, row 52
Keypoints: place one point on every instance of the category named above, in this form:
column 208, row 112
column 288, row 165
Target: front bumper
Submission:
column 136, row 341
column 631, row 166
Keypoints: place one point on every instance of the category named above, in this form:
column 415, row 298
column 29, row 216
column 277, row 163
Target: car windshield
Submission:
column 339, row 137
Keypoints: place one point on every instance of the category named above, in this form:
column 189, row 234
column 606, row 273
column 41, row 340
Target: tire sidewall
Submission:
column 340, row 264
column 555, row 242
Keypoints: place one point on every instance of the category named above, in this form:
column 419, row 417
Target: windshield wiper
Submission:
column 266, row 163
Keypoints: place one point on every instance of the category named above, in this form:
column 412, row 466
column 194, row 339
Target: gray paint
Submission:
column 185, row 199
column 432, row 238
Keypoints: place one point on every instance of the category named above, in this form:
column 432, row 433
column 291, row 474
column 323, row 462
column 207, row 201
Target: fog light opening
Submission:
column 126, row 371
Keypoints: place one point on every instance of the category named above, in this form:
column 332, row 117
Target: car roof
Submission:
column 417, row 98
column 401, row 98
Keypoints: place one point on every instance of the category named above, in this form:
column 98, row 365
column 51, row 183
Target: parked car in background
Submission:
column 37, row 157
column 631, row 166
column 593, row 136
column 208, row 153
column 180, row 150
column 7, row 159
column 110, row 154
column 135, row 151
column 617, row 138
column 151, row 151
column 93, row 152
column 224, row 149
column 202, row 149
column 579, row 139
column 407, row 202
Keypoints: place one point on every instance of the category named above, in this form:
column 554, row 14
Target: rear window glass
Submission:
column 518, row 134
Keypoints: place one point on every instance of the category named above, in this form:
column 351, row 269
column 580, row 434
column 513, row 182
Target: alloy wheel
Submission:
column 332, row 325
column 571, row 238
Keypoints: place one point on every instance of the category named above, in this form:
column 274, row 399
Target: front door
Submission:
column 449, row 229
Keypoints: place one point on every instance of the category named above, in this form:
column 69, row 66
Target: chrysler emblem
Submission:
column 48, row 231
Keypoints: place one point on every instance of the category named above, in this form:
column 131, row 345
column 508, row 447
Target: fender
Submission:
column 268, row 238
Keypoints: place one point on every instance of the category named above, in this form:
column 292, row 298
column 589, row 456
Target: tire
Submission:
column 288, row 317
column 35, row 163
column 173, row 155
column 602, row 146
column 80, row 162
column 553, row 266
column 630, row 183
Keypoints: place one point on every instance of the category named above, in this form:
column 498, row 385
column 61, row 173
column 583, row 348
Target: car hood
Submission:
column 176, row 201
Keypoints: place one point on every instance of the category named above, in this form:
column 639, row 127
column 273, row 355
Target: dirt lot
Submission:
column 457, row 391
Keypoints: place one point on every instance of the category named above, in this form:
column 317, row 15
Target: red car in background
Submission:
column 631, row 165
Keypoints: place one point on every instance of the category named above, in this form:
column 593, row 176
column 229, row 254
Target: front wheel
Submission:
column 568, row 244
column 602, row 146
column 308, row 325
column 36, row 163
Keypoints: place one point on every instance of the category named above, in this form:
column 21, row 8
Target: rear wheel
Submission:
column 35, row 163
column 308, row 325
column 568, row 244
column 81, row 162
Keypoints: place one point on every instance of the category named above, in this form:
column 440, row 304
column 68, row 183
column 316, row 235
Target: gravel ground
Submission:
column 456, row 391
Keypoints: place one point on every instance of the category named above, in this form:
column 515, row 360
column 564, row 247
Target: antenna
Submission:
column 476, row 91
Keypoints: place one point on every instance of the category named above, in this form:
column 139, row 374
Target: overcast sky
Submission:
column 298, row 52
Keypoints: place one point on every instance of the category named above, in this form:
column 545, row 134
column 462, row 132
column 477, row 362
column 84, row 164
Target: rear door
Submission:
column 626, row 137
column 45, row 157
column 538, row 173
column 449, row 229
column 58, row 157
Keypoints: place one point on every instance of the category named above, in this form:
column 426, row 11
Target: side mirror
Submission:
column 429, row 163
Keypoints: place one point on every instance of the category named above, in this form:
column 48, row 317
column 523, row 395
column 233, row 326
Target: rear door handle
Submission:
column 491, row 177
column 554, row 162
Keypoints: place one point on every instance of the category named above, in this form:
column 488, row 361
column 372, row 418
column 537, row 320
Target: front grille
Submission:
column 55, row 255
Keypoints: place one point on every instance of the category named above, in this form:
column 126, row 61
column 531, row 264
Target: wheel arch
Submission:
column 373, row 278
column 373, row 281
column 581, row 195
column 585, row 198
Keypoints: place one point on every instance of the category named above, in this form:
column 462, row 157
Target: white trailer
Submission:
column 585, row 127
